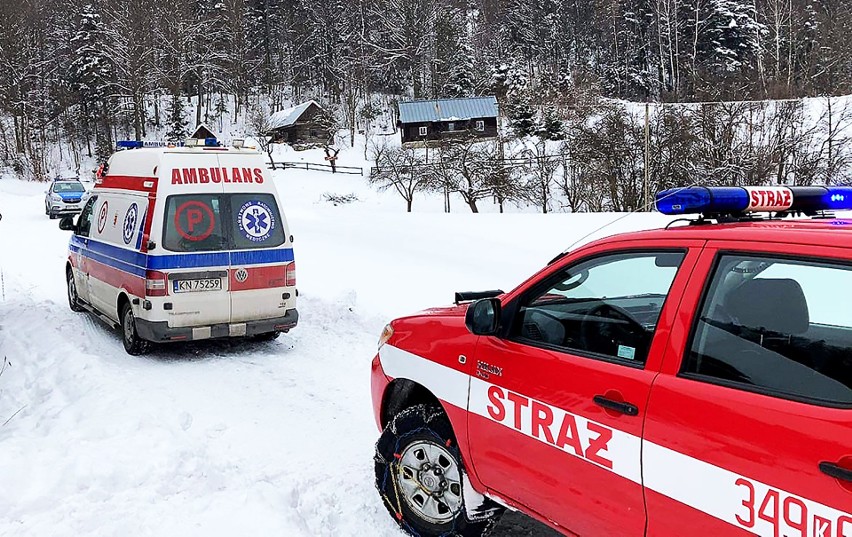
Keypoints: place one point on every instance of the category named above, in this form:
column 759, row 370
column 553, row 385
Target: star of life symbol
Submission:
column 256, row 221
column 130, row 223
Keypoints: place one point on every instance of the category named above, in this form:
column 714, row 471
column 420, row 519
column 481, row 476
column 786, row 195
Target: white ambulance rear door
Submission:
column 261, row 254
column 191, row 256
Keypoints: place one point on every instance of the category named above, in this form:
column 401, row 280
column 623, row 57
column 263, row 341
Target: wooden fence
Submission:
column 313, row 166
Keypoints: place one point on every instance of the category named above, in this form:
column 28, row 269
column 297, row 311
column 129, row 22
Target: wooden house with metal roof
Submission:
column 433, row 120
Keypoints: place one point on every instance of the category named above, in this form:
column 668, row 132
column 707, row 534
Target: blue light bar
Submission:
column 128, row 144
column 136, row 144
column 733, row 200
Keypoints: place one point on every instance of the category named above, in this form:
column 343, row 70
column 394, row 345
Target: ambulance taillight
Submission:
column 290, row 274
column 156, row 283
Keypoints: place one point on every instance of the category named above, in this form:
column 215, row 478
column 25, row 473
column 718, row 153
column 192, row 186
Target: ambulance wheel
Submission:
column 73, row 298
column 133, row 344
column 420, row 477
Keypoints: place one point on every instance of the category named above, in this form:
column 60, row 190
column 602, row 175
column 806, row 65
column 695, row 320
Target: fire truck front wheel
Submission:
column 420, row 477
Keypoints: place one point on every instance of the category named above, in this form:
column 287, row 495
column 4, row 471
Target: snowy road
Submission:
column 227, row 438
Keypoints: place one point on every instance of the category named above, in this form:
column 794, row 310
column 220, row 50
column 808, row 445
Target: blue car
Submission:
column 64, row 197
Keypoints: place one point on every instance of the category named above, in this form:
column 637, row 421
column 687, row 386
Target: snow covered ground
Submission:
column 235, row 438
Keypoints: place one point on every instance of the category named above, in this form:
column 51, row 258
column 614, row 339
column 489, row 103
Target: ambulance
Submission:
column 183, row 243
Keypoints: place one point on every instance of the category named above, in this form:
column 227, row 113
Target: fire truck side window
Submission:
column 605, row 308
column 776, row 326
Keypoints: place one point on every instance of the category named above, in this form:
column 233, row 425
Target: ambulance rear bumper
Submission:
column 161, row 332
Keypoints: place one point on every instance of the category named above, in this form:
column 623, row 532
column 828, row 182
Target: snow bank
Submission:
column 233, row 438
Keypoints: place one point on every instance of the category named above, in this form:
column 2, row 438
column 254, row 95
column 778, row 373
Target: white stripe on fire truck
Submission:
column 448, row 384
column 720, row 493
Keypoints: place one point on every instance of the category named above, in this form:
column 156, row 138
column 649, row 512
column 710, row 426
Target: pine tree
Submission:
column 177, row 121
column 522, row 120
column 732, row 36
column 91, row 76
column 552, row 128
column 509, row 81
column 461, row 82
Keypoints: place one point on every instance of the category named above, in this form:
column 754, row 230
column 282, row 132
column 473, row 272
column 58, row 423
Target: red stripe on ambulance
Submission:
column 258, row 277
column 119, row 279
column 129, row 182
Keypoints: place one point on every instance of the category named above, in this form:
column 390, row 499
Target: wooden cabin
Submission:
column 431, row 121
column 304, row 124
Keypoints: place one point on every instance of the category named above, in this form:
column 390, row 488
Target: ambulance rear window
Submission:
column 193, row 223
column 256, row 221
column 209, row 222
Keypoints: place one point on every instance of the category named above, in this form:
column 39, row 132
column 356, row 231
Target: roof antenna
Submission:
column 620, row 218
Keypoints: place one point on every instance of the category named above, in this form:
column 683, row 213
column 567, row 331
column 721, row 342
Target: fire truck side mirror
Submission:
column 483, row 317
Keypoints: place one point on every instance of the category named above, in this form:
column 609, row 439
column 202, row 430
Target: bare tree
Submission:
column 260, row 128
column 480, row 172
column 402, row 170
column 540, row 170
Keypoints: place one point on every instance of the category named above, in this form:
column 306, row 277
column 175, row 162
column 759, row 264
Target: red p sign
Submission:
column 191, row 214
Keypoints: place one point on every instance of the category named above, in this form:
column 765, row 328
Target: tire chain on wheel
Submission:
column 428, row 421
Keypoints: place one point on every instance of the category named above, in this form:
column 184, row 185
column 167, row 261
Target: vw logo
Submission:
column 241, row 275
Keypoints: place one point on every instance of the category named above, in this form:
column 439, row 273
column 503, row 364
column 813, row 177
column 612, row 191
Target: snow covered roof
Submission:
column 447, row 109
column 289, row 116
column 203, row 131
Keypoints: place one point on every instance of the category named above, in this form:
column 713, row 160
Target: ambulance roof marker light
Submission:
column 238, row 143
column 741, row 200
column 129, row 144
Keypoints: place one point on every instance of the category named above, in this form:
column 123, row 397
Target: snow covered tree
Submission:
column 552, row 128
column 509, row 81
column 91, row 75
column 400, row 35
column 730, row 40
column 177, row 122
column 131, row 57
column 522, row 120
column 462, row 82
column 453, row 71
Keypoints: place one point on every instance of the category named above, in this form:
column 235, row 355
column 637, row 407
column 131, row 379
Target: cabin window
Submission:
column 480, row 125
column 451, row 126
column 422, row 131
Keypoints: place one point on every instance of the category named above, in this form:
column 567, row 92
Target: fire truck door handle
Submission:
column 835, row 471
column 617, row 406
